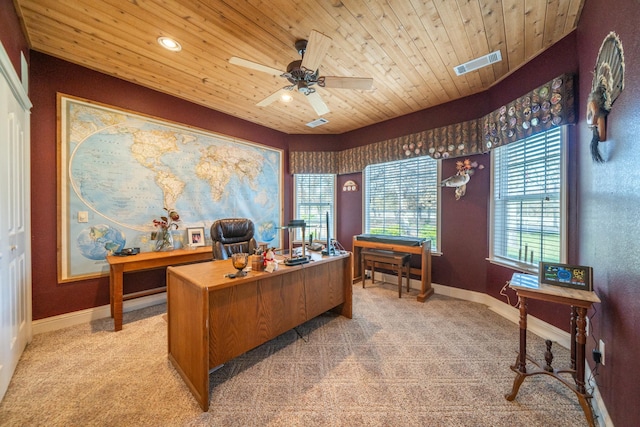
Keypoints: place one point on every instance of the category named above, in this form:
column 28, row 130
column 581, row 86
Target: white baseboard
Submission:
column 85, row 316
column 604, row 420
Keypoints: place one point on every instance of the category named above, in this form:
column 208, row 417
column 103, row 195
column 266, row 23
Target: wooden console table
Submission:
column 213, row 318
column 423, row 250
column 118, row 265
column 527, row 287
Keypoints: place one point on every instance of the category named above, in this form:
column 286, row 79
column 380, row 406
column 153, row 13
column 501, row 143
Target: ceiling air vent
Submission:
column 317, row 122
column 474, row 64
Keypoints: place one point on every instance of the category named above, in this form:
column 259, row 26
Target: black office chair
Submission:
column 232, row 235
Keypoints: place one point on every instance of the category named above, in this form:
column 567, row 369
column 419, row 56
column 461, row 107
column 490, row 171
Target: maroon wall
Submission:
column 463, row 228
column 349, row 207
column 11, row 35
column 608, row 206
column 49, row 76
column 315, row 143
column 458, row 111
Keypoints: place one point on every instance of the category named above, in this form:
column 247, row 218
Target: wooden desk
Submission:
column 118, row 265
column 423, row 250
column 580, row 301
column 213, row 318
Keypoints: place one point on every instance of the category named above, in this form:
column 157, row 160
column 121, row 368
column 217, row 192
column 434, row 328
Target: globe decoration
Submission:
column 98, row 241
column 267, row 231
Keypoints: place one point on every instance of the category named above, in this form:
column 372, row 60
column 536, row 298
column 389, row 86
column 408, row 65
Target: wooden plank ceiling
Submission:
column 408, row 47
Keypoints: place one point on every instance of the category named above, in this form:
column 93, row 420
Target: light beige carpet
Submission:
column 398, row 362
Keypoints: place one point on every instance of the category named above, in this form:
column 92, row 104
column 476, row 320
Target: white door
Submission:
column 15, row 249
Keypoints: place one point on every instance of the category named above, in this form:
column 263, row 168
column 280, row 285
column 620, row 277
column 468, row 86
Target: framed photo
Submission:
column 195, row 236
column 569, row 276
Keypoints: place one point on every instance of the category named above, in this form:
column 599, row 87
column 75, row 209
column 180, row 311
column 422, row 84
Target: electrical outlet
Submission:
column 601, row 348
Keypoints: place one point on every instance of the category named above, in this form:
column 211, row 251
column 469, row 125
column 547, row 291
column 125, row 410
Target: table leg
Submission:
column 577, row 346
column 573, row 328
column 581, row 340
column 111, row 273
column 357, row 273
column 522, row 355
column 408, row 272
column 364, row 266
column 115, row 297
column 521, row 363
column 425, row 274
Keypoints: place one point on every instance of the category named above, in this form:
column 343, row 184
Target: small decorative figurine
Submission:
column 270, row 263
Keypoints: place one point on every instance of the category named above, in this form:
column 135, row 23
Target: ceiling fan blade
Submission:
column 271, row 98
column 254, row 66
column 364, row 83
column 317, row 48
column 317, row 103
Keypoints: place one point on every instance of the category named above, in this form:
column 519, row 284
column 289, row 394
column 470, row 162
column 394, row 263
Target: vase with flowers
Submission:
column 164, row 225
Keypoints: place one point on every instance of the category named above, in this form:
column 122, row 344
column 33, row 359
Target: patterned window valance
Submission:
column 552, row 104
column 314, row 162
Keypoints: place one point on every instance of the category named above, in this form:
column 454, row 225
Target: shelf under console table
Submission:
column 407, row 245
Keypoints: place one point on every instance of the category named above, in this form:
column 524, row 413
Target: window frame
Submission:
column 332, row 212
column 563, row 205
column 435, row 243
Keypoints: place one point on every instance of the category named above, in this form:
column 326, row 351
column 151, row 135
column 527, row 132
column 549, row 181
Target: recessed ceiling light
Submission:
column 170, row 44
column 286, row 97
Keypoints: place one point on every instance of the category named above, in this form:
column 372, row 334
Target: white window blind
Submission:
column 401, row 198
column 528, row 200
column 314, row 197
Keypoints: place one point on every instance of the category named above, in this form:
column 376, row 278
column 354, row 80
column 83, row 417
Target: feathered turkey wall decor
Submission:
column 608, row 82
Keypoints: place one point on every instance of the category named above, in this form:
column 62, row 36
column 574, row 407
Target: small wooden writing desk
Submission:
column 118, row 265
column 527, row 286
column 423, row 250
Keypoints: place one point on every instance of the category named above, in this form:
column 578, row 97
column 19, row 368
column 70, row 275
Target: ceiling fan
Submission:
column 304, row 74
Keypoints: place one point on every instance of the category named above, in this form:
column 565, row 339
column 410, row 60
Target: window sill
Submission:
column 514, row 265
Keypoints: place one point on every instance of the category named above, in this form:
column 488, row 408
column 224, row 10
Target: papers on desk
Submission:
column 525, row 280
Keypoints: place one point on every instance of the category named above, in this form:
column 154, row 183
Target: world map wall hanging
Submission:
column 119, row 169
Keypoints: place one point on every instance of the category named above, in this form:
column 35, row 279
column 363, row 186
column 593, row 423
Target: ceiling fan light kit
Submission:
column 303, row 74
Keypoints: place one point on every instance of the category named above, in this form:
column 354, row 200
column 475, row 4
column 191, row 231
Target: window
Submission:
column 314, row 197
column 402, row 198
column 528, row 201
